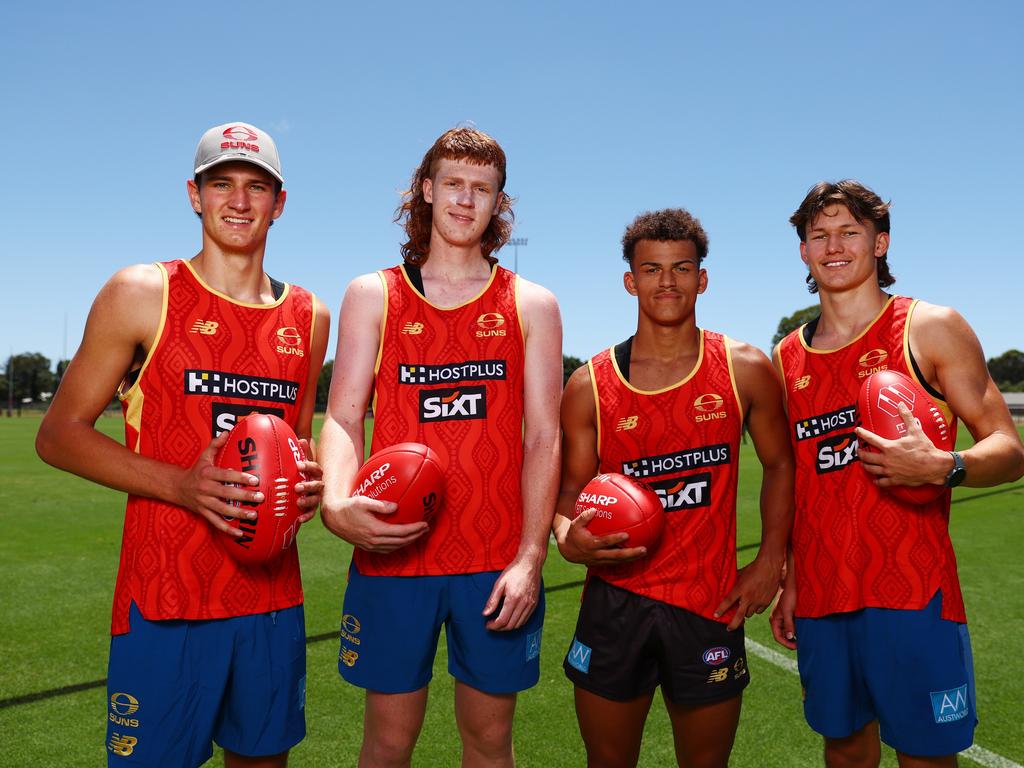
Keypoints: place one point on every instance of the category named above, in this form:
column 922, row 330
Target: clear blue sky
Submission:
column 730, row 109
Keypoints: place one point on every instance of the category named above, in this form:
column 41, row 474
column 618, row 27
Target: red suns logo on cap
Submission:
column 239, row 133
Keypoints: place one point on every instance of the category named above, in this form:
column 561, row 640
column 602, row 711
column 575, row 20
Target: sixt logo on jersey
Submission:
column 453, row 404
column 816, row 426
column 452, row 373
column 681, row 461
column 226, row 415
column 836, row 452
column 235, row 385
column 688, row 492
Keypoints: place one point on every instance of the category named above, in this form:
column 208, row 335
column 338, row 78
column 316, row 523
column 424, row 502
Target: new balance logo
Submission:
column 579, row 656
column 802, row 383
column 627, row 423
column 205, row 327
column 122, row 745
column 412, row 329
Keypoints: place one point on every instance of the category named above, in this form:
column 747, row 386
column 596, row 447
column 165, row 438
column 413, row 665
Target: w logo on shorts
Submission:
column 579, row 656
column 950, row 706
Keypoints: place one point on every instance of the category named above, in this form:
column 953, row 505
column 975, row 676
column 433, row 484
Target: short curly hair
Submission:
column 415, row 213
column 862, row 203
column 665, row 225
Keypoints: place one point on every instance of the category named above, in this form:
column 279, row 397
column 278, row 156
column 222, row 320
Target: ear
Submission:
column 279, row 204
column 803, row 253
column 702, row 281
column 497, row 203
column 193, row 196
column 881, row 244
column 428, row 190
column 629, row 281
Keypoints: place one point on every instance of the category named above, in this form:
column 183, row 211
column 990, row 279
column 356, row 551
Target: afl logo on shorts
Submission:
column 490, row 324
column 713, row 657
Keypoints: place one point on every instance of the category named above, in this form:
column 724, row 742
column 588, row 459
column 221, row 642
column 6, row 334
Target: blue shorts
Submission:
column 910, row 670
column 175, row 686
column 390, row 626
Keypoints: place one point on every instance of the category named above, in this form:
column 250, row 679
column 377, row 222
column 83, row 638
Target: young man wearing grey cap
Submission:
column 203, row 648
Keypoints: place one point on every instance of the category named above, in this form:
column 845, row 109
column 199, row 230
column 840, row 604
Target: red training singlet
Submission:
column 854, row 545
column 213, row 361
column 452, row 378
column 683, row 441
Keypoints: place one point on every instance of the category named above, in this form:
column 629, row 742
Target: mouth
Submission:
column 461, row 218
column 836, row 263
column 236, row 220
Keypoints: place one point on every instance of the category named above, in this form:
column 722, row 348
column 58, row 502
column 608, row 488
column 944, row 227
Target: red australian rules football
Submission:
column 623, row 506
column 265, row 446
column 878, row 408
column 408, row 474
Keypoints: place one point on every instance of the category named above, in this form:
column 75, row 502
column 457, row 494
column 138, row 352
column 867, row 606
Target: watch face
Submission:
column 958, row 473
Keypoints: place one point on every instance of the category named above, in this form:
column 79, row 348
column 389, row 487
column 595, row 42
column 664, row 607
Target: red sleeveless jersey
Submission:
column 214, row 360
column 452, row 378
column 683, row 441
column 854, row 545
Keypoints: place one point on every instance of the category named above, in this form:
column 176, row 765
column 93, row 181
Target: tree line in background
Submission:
column 35, row 380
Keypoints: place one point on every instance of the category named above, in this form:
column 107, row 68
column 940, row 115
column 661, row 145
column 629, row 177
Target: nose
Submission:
column 835, row 243
column 667, row 278
column 464, row 197
column 239, row 198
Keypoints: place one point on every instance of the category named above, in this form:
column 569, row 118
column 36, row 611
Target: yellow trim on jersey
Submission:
column 781, row 371
column 215, row 292
column 494, row 273
column 868, row 327
column 939, row 401
column 380, row 339
column 312, row 320
column 133, row 417
column 686, row 378
column 597, row 405
column 732, row 374
column 519, row 309
column 125, row 395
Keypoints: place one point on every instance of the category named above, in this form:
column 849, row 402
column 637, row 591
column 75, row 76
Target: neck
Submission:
column 236, row 275
column 666, row 342
column 453, row 266
column 845, row 315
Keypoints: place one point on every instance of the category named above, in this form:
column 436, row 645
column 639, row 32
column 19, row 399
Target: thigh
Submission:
column 268, row 684
column 699, row 660
column 920, row 672
column 704, row 733
column 837, row 703
column 163, row 693
column 612, row 731
column 389, row 631
column 489, row 661
column 391, row 725
column 614, row 650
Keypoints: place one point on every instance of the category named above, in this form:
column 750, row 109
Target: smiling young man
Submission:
column 447, row 323
column 880, row 627
column 667, row 407
column 203, row 648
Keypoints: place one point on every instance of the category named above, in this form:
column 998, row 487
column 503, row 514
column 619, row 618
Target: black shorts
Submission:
column 626, row 645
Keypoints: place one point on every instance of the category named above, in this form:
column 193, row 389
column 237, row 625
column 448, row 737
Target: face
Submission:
column 666, row 278
column 237, row 204
column 464, row 198
column 841, row 252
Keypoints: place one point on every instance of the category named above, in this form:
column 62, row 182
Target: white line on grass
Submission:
column 978, row 754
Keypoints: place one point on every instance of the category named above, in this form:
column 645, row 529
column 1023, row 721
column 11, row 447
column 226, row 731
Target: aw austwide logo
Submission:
column 579, row 656
column 950, row 706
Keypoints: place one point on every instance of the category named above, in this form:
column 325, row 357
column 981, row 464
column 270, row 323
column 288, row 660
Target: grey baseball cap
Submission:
column 238, row 141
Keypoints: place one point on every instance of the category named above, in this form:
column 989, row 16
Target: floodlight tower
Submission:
column 515, row 242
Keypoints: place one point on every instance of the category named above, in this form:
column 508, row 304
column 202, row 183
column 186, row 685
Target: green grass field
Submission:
column 58, row 558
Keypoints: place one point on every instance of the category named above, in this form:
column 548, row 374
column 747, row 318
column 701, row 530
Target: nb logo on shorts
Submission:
column 579, row 656
column 719, row 675
column 348, row 657
column 533, row 645
column 950, row 706
column 122, row 745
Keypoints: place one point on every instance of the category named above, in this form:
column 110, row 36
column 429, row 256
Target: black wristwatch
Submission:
column 957, row 473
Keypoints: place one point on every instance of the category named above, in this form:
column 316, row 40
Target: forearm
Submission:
column 541, row 455
column 341, row 455
column 996, row 459
column 77, row 447
column 776, row 510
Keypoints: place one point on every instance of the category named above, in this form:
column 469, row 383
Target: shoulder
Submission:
column 937, row 330
column 579, row 380
column 365, row 289
column 746, row 355
column 139, row 281
column 538, row 305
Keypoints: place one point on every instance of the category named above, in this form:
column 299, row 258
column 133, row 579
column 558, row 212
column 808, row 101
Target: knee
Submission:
column 387, row 747
column 490, row 739
column 856, row 751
